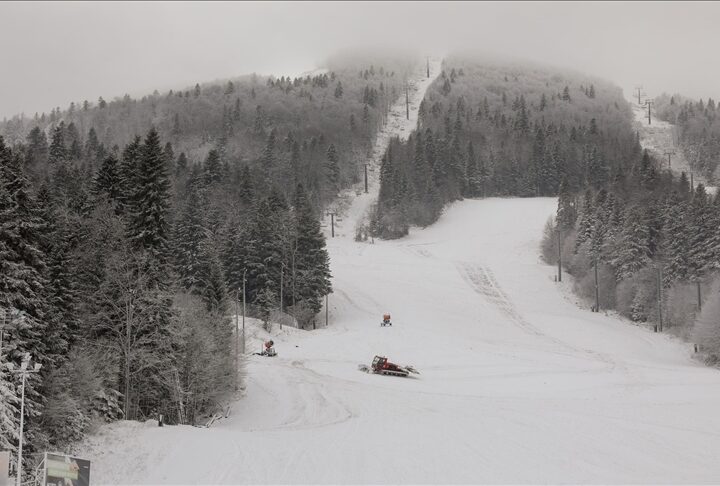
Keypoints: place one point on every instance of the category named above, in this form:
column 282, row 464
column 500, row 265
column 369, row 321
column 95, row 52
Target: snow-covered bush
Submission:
column 680, row 306
column 548, row 245
column 706, row 331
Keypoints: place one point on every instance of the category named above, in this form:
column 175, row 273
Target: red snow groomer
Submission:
column 381, row 366
column 386, row 320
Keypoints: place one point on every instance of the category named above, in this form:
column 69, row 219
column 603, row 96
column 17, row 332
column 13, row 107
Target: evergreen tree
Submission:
column 148, row 221
column 188, row 236
column 182, row 163
column 58, row 152
column 108, row 183
column 22, row 277
column 312, row 262
column 268, row 158
column 566, row 94
column 211, row 281
column 92, row 145
column 332, row 170
column 264, row 255
column 37, row 147
column 129, row 168
column 633, row 252
column 9, row 405
column 213, row 168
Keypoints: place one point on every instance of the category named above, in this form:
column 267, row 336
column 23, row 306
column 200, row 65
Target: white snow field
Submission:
column 518, row 383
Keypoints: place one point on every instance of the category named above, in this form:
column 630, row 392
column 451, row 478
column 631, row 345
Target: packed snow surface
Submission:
column 518, row 384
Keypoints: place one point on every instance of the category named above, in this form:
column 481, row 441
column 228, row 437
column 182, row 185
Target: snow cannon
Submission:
column 268, row 350
column 386, row 320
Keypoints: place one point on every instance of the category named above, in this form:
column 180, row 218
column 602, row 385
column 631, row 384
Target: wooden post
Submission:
column 659, row 298
column 243, row 323
column 559, row 255
column 407, row 101
column 428, row 67
column 293, row 277
column 326, row 310
column 699, row 295
column 127, row 359
column 237, row 338
column 282, row 275
column 366, row 181
column 597, row 289
column 669, row 154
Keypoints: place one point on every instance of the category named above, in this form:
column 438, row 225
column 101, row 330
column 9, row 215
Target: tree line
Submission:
column 489, row 129
column 656, row 243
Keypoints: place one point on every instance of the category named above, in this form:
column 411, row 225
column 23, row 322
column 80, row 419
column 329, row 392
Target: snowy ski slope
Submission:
column 658, row 137
column 518, row 385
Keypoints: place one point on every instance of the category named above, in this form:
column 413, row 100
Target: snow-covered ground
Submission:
column 659, row 138
column 518, row 383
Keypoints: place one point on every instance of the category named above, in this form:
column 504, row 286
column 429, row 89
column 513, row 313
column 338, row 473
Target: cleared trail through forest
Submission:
column 659, row 138
column 353, row 204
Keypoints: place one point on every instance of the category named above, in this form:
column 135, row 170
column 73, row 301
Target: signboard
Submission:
column 4, row 466
column 61, row 470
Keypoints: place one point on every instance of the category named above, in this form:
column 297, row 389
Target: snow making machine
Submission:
column 268, row 350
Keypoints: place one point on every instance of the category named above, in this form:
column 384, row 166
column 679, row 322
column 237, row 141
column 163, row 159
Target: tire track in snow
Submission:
column 312, row 407
column 482, row 280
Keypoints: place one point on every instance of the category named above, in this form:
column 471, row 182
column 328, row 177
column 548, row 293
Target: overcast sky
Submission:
column 56, row 52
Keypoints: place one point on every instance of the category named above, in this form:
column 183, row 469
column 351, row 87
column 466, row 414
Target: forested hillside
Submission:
column 654, row 239
column 698, row 130
column 128, row 227
column 494, row 129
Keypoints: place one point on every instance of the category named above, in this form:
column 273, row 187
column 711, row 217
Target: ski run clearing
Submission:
column 659, row 137
column 519, row 382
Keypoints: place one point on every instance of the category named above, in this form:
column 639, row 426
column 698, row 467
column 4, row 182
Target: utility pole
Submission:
column 407, row 101
column 659, row 297
column 293, row 275
column 699, row 295
column 669, row 154
column 282, row 272
column 243, row 324
column 597, row 290
column 639, row 88
column 237, row 337
column 326, row 310
column 427, row 58
column 649, row 103
column 332, row 222
column 128, row 325
column 366, row 182
column 24, row 372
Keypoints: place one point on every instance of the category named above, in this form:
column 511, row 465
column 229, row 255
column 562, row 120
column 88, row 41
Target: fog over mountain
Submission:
column 60, row 52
